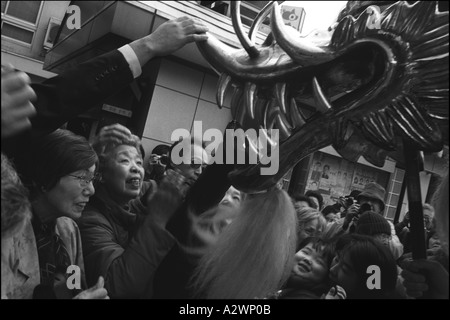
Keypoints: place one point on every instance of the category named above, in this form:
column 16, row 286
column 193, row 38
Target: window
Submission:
column 394, row 194
column 249, row 10
column 20, row 19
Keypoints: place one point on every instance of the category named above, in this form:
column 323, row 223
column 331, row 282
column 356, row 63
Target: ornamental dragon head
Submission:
column 378, row 81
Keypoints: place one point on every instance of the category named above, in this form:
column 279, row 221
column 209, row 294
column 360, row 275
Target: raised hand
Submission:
column 168, row 38
column 352, row 215
column 336, row 293
column 16, row 101
column 425, row 278
column 96, row 292
column 169, row 196
column 115, row 133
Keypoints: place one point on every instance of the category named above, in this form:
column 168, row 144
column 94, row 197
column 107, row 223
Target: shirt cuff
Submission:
column 132, row 60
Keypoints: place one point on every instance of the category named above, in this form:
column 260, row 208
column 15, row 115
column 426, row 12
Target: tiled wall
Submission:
column 182, row 95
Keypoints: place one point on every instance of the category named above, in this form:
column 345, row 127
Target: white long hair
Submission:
column 441, row 207
column 253, row 256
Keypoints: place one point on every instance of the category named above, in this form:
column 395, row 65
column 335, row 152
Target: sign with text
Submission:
column 293, row 16
column 117, row 110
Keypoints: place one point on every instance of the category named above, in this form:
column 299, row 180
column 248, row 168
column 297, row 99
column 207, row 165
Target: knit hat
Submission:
column 371, row 223
column 373, row 190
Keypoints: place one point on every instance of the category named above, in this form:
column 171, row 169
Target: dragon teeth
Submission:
column 369, row 19
column 280, row 91
column 222, row 86
column 322, row 104
column 342, row 133
column 297, row 118
column 344, row 32
column 283, row 126
column 250, row 90
column 266, row 137
column 270, row 115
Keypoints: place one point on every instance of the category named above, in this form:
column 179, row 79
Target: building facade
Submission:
column 175, row 91
column 28, row 31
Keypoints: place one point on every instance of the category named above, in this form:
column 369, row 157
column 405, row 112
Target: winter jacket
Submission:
column 124, row 245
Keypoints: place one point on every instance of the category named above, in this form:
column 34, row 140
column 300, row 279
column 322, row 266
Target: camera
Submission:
column 363, row 208
column 347, row 201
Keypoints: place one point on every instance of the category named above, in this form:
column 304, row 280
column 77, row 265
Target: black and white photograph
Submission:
column 220, row 156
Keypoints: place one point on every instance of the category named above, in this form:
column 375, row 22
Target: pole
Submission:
column 400, row 202
column 412, row 169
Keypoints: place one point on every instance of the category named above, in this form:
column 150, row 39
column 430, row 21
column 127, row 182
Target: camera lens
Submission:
column 165, row 160
column 364, row 207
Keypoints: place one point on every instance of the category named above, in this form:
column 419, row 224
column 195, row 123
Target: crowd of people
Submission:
column 166, row 230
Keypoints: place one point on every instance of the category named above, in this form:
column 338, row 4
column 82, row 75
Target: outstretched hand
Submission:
column 96, row 292
column 168, row 38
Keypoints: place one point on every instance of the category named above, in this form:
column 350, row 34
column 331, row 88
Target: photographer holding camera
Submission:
column 371, row 199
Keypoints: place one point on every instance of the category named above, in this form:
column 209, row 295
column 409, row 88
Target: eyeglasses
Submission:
column 162, row 160
column 84, row 180
column 195, row 166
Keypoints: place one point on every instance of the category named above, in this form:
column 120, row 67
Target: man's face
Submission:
column 157, row 164
column 375, row 204
column 192, row 170
column 427, row 218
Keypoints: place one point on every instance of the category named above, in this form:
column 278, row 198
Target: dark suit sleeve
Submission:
column 63, row 97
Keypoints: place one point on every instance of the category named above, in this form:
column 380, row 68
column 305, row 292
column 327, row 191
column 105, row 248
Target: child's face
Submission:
column 342, row 273
column 310, row 267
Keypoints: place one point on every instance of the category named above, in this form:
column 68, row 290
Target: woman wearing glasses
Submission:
column 123, row 233
column 62, row 175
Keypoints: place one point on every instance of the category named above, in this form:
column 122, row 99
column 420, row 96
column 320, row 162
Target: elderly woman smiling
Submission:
column 124, row 236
